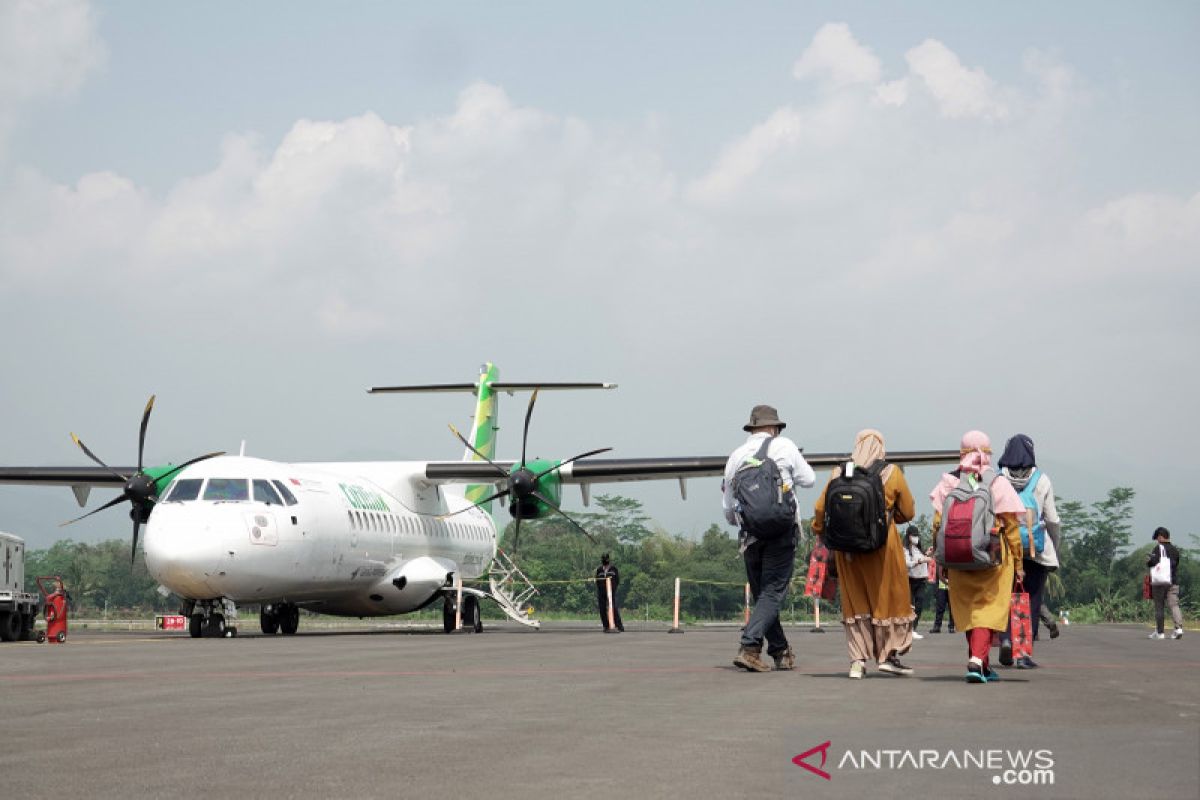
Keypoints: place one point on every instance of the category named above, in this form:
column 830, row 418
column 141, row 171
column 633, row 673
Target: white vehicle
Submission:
column 356, row 538
column 18, row 608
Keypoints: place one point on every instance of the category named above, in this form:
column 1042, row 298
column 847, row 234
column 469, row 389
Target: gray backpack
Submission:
column 968, row 538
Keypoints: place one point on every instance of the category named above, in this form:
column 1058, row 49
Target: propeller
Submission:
column 523, row 482
column 140, row 488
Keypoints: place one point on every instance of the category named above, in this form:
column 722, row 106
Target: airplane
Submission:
column 360, row 539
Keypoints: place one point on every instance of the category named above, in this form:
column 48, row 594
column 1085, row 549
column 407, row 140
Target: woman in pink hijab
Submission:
column 979, row 599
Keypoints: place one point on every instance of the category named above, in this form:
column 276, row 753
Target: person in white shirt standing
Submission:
column 918, row 563
column 770, row 554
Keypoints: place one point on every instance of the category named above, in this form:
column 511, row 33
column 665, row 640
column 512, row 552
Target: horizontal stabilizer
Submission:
column 497, row 386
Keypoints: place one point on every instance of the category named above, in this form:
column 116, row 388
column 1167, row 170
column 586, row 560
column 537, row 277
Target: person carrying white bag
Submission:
column 1164, row 587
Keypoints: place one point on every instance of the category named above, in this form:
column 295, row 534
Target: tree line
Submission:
column 1100, row 578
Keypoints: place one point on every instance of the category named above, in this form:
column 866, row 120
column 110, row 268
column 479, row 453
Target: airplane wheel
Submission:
column 289, row 619
column 268, row 622
column 448, row 615
column 216, row 626
column 471, row 616
column 196, row 625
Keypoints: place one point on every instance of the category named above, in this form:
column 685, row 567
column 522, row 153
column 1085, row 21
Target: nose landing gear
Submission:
column 206, row 620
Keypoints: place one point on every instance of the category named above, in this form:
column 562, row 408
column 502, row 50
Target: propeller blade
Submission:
column 525, row 435
column 95, row 458
column 121, row 498
column 516, row 534
column 569, row 460
column 133, row 552
column 563, row 514
column 186, row 464
column 142, row 432
column 498, row 494
column 471, row 447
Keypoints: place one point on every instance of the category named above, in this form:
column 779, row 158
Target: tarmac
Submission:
column 569, row 711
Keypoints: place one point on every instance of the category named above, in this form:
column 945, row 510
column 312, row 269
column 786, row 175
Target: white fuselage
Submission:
column 357, row 539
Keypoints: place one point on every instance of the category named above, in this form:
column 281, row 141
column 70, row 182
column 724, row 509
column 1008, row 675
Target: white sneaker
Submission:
column 857, row 670
column 1156, row 635
column 1178, row 634
column 917, row 635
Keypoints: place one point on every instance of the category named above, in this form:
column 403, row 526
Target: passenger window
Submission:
column 263, row 493
column 288, row 497
column 184, row 489
column 227, row 490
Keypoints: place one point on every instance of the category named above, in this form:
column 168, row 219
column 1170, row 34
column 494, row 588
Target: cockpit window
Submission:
column 263, row 493
column 227, row 489
column 288, row 497
column 184, row 489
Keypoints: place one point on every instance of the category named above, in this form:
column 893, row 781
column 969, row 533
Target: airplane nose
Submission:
column 183, row 556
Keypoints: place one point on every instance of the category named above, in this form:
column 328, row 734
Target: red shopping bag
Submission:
column 1147, row 591
column 1020, row 623
column 819, row 582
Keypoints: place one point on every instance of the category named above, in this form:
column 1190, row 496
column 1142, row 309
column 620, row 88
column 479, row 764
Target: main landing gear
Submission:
column 279, row 617
column 206, row 619
column 472, row 620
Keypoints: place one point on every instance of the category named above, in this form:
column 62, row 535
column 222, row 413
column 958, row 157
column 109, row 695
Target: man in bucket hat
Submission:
column 769, row 559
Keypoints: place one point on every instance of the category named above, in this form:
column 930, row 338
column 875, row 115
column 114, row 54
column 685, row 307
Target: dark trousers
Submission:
column 1035, row 586
column 941, row 607
column 769, row 567
column 1166, row 596
column 602, row 605
column 916, row 588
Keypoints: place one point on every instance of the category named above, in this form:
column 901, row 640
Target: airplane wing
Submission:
column 91, row 477
column 615, row 470
column 81, row 479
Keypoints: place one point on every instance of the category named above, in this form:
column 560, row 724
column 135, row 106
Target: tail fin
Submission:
column 483, row 430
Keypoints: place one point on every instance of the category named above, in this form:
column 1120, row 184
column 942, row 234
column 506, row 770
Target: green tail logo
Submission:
column 483, row 430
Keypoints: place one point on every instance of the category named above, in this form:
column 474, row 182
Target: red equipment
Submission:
column 55, row 608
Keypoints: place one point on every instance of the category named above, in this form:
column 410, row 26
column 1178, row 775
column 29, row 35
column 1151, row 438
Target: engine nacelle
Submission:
column 415, row 583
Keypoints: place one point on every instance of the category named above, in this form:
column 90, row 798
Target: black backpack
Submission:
column 766, row 511
column 856, row 511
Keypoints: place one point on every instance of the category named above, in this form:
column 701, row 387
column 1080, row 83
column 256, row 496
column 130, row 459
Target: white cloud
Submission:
column 835, row 56
column 47, row 48
column 960, row 92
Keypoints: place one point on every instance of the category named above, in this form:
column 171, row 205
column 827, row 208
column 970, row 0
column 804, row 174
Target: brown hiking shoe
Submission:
column 750, row 659
column 785, row 660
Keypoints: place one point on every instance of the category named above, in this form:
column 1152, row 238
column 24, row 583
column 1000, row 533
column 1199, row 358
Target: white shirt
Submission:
column 793, row 469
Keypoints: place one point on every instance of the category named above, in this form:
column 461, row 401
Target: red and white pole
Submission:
column 612, row 622
column 675, row 626
column 746, row 616
column 457, row 602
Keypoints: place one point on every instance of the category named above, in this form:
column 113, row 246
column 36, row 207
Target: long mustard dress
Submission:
column 876, row 603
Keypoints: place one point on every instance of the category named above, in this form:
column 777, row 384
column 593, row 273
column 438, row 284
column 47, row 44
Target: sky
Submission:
column 923, row 218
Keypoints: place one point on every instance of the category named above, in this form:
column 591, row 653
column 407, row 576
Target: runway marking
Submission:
column 512, row 672
column 276, row 674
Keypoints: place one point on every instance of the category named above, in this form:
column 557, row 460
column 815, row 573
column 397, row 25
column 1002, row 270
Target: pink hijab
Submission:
column 975, row 455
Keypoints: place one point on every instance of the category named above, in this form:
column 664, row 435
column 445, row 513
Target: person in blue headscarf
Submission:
column 1019, row 465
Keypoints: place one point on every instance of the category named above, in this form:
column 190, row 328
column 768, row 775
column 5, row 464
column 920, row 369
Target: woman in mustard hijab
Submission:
column 876, row 605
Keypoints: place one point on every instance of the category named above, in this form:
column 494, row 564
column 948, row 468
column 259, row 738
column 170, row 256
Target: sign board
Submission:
column 170, row 622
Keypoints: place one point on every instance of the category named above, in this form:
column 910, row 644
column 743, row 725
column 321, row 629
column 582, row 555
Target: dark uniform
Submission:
column 604, row 571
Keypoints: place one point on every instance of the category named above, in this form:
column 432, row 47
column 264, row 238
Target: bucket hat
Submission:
column 762, row 416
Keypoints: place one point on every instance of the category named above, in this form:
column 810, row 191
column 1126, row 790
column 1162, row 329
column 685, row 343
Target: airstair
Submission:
column 511, row 589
